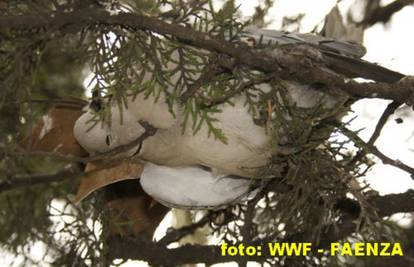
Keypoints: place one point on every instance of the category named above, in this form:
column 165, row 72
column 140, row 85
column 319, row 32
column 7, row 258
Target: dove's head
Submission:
column 97, row 135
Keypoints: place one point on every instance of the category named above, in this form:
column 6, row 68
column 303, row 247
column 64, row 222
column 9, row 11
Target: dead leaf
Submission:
column 54, row 133
column 336, row 28
column 131, row 210
column 134, row 214
column 100, row 174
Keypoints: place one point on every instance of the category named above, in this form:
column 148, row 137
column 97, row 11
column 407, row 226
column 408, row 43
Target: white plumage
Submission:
column 192, row 187
column 99, row 136
column 171, row 174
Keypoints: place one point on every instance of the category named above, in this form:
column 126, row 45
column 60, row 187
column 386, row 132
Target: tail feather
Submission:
column 358, row 68
column 343, row 57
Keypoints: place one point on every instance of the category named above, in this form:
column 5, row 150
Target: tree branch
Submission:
column 143, row 249
column 374, row 150
column 149, row 131
column 298, row 62
column 394, row 203
column 390, row 109
column 175, row 235
column 383, row 14
column 240, row 89
column 209, row 72
column 29, row 180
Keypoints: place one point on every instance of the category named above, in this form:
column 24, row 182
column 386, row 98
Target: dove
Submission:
column 186, row 170
column 249, row 146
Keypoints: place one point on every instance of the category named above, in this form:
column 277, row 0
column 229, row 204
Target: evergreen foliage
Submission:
column 43, row 66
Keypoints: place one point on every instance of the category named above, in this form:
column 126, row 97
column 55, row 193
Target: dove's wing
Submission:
column 192, row 187
column 264, row 37
column 342, row 56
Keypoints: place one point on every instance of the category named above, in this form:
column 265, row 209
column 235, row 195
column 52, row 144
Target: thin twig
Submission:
column 176, row 234
column 391, row 108
column 57, row 101
column 384, row 13
column 29, row 180
column 209, row 73
column 374, row 150
column 243, row 87
column 143, row 249
column 289, row 63
column 149, row 131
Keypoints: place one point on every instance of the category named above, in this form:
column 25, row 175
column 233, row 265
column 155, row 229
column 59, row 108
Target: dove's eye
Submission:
column 108, row 139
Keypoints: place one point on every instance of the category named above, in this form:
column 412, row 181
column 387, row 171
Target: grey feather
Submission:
column 274, row 38
column 343, row 57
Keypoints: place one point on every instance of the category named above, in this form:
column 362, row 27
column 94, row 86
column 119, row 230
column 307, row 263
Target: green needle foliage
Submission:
column 41, row 66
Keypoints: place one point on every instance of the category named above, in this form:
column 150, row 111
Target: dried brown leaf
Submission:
column 100, row 174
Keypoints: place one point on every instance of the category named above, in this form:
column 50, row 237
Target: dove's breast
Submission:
column 247, row 145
